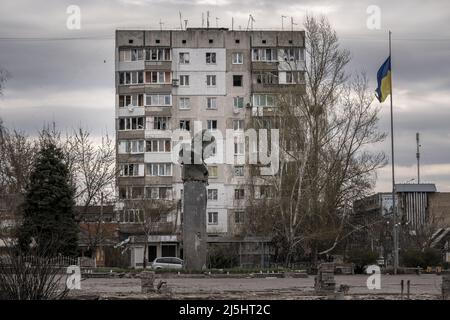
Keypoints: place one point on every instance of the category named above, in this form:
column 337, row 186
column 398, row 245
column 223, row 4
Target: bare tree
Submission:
column 4, row 75
column 93, row 167
column 326, row 126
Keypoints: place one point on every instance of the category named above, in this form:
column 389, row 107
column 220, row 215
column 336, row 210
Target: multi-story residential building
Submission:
column 167, row 80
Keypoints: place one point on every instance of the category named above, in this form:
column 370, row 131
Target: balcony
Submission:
column 158, row 157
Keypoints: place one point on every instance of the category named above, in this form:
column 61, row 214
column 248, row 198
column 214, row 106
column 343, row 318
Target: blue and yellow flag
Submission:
column 384, row 80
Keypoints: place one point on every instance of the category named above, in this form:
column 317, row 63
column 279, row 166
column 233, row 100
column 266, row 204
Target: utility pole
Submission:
column 282, row 24
column 418, row 157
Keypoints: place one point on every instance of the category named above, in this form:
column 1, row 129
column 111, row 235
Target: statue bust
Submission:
column 192, row 158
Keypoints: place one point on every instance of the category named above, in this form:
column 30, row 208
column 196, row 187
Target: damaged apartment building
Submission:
column 165, row 81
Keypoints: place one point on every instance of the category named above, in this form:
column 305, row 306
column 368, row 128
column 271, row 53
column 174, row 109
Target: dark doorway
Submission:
column 168, row 250
column 151, row 253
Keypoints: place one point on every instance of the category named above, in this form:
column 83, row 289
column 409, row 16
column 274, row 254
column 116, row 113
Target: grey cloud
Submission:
column 40, row 68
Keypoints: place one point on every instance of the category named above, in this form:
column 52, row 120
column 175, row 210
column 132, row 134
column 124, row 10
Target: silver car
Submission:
column 167, row 263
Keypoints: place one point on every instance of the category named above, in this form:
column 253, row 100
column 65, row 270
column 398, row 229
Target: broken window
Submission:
column 185, row 125
column 184, row 57
column 239, row 194
column 210, row 58
column 237, row 80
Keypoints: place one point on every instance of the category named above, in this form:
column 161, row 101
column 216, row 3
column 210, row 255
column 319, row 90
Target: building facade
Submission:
column 168, row 83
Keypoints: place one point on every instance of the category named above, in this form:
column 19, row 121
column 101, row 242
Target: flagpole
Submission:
column 394, row 211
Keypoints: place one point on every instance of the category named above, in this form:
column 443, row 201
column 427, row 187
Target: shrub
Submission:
column 361, row 258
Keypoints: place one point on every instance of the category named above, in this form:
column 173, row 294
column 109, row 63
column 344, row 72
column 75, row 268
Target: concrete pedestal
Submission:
column 194, row 216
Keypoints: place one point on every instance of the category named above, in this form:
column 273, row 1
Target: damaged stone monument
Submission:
column 195, row 180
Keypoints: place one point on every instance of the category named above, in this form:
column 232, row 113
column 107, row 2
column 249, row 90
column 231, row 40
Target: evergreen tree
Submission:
column 49, row 224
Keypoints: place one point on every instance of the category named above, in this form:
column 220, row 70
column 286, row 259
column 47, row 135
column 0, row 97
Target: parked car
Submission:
column 167, row 263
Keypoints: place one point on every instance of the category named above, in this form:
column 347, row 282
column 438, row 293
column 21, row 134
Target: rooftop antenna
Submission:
column 161, row 24
column 181, row 24
column 418, row 157
column 282, row 25
column 203, row 19
column 207, row 19
column 185, row 23
column 217, row 22
column 232, row 23
column 292, row 23
column 250, row 22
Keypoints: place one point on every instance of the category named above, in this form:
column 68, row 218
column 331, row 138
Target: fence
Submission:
column 57, row 262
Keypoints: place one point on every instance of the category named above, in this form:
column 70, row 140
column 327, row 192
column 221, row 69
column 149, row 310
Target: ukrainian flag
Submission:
column 384, row 81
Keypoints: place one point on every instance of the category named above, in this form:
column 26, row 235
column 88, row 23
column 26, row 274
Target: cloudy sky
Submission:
column 67, row 76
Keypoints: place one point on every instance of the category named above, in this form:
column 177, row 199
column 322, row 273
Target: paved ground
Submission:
column 422, row 287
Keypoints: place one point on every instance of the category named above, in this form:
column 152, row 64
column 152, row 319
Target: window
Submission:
column 239, row 217
column 212, row 125
column 184, row 80
column 238, row 125
column 211, row 40
column 267, row 77
column 131, row 123
column 137, row 192
column 159, row 169
column 131, row 146
column 185, row 125
column 131, row 216
column 237, row 58
column 210, row 58
column 158, row 100
column 239, row 194
column 185, row 103
column 158, row 193
column 239, row 171
column 184, row 57
column 212, row 194
column 213, row 218
column 263, row 100
column 237, row 81
column 237, row 41
column 158, row 145
column 158, row 54
column 158, row 77
column 125, row 101
column 293, row 54
column 212, row 171
column 266, row 191
column 238, row 146
column 264, row 54
column 183, row 41
column 211, row 103
column 129, row 170
column 293, row 77
column 157, row 41
column 125, row 55
column 238, row 102
column 131, row 77
column 160, row 123
column 137, row 54
column 210, row 80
